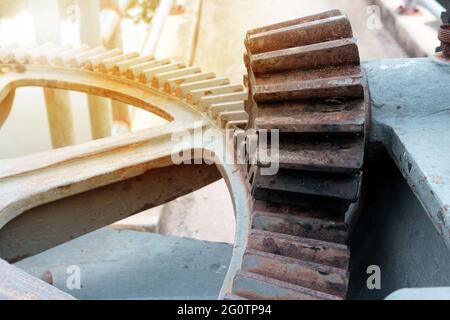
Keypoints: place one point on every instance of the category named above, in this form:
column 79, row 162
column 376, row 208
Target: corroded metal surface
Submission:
column 319, row 229
column 255, row 286
column 444, row 37
column 343, row 154
column 304, row 79
column 312, row 117
column 332, row 53
column 317, row 251
column 66, row 182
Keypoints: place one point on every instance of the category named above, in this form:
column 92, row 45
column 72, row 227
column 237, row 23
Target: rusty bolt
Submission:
column 444, row 37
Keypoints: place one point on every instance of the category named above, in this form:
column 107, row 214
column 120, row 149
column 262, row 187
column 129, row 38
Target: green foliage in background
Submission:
column 141, row 10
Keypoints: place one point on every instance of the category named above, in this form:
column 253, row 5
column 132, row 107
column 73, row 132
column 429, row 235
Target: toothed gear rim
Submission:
column 304, row 79
column 214, row 96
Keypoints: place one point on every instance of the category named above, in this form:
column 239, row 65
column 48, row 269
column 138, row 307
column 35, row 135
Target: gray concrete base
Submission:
column 395, row 233
column 134, row 265
column 410, row 117
column 421, row 294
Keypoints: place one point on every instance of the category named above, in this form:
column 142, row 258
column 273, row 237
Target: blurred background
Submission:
column 207, row 33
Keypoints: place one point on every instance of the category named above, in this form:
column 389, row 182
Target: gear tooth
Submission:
column 47, row 57
column 7, row 54
column 310, row 275
column 217, row 108
column 318, row 55
column 228, row 116
column 300, row 211
column 34, row 55
column 148, row 74
column 298, row 35
column 341, row 116
column 135, row 71
column 185, row 88
column 328, row 88
column 106, row 65
column 334, row 206
column 63, row 58
column 123, row 66
column 173, row 84
column 319, row 16
column 94, row 62
column 340, row 155
column 81, row 58
column 310, row 250
column 307, row 184
column 304, row 80
column 304, row 227
column 257, row 287
column 21, row 55
column 314, row 83
column 160, row 80
column 195, row 95
column 237, row 124
column 206, row 101
column 295, row 75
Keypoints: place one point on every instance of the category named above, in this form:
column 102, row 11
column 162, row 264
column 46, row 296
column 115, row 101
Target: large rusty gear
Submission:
column 187, row 98
column 304, row 79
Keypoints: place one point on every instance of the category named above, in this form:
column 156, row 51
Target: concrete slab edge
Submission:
column 416, row 34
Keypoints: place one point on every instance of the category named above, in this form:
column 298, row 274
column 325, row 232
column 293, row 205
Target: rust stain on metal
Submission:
column 408, row 9
column 302, row 34
column 305, row 80
column 20, row 68
column 437, row 180
column 309, row 275
column 316, row 251
column 444, row 37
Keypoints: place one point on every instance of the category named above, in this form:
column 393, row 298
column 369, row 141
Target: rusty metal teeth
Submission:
column 319, row 16
column 328, row 54
column 444, row 37
column 305, row 80
column 295, row 271
column 339, row 155
column 310, row 228
column 317, row 31
column 221, row 101
column 319, row 117
column 306, row 249
column 309, row 184
column 257, row 287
